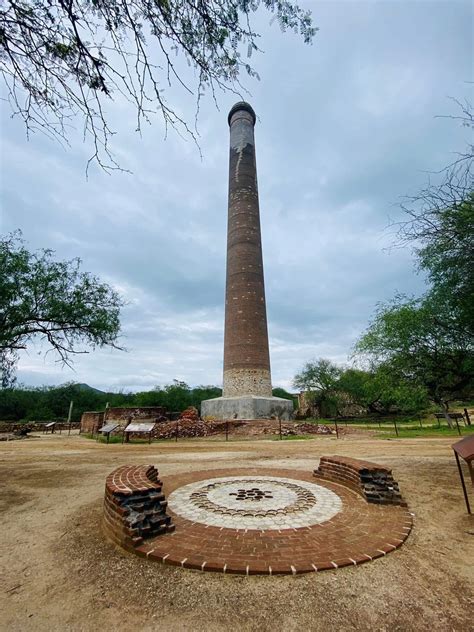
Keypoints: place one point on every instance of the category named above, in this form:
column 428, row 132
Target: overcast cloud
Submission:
column 345, row 127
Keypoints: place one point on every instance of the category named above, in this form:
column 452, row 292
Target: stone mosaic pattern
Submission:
column 358, row 533
column 250, row 502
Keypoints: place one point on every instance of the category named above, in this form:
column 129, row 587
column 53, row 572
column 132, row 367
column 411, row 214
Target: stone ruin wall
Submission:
column 92, row 421
column 123, row 414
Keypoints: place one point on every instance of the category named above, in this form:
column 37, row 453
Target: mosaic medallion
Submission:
column 250, row 502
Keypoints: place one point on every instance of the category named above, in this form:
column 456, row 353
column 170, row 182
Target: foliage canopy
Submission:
column 49, row 403
column 429, row 341
column 53, row 301
column 331, row 389
column 417, row 340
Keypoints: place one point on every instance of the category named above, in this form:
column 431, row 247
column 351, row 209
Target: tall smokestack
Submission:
column 246, row 355
column 247, row 392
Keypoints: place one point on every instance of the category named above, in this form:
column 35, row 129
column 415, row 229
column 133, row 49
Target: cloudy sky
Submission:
column 345, row 128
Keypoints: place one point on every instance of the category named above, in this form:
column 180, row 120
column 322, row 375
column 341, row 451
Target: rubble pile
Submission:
column 189, row 425
column 182, row 428
column 190, row 413
column 314, row 429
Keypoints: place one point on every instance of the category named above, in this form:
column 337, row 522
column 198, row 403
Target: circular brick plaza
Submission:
column 271, row 522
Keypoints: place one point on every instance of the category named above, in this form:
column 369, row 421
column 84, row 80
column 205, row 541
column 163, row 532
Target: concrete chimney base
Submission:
column 247, row 407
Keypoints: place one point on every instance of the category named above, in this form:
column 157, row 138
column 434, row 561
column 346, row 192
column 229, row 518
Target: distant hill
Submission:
column 86, row 387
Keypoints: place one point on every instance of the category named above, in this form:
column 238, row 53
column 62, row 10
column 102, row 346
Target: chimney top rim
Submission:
column 242, row 105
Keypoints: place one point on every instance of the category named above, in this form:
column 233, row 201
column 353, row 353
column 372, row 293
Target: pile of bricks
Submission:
column 20, row 428
column 374, row 482
column 190, row 413
column 314, row 429
column 134, row 506
column 182, row 428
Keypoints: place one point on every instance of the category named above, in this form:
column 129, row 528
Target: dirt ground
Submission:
column 59, row 573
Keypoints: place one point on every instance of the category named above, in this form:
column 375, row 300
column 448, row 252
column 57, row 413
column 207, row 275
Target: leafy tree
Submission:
column 15, row 404
column 200, row 393
column 280, row 392
column 440, row 226
column 61, row 58
column 319, row 379
column 155, row 397
column 413, row 339
column 447, row 255
column 176, row 396
column 361, row 387
column 381, row 391
column 52, row 301
column 52, row 402
column 429, row 341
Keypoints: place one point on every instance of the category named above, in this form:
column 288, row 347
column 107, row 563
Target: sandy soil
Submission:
column 59, row 573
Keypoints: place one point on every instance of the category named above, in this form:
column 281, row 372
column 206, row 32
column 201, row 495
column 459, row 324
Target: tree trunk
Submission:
column 444, row 410
column 372, row 408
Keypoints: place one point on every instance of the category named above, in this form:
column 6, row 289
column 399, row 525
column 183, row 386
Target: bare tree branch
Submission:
column 60, row 59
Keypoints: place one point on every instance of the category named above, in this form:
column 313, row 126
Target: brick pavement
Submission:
column 357, row 533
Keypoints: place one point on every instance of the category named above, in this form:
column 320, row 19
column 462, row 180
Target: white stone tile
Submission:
column 296, row 503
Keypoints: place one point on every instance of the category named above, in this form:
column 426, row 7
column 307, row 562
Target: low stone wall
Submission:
column 138, row 413
column 134, row 506
column 91, row 422
column 36, row 426
column 374, row 482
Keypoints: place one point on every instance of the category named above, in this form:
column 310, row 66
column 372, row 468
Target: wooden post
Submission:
column 337, row 429
column 457, row 424
column 419, row 419
column 176, row 433
column 461, row 476
column 395, row 424
column 69, row 417
column 468, row 419
column 126, row 434
column 279, row 419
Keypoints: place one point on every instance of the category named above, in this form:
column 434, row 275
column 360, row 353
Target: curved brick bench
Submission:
column 372, row 481
column 134, row 506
